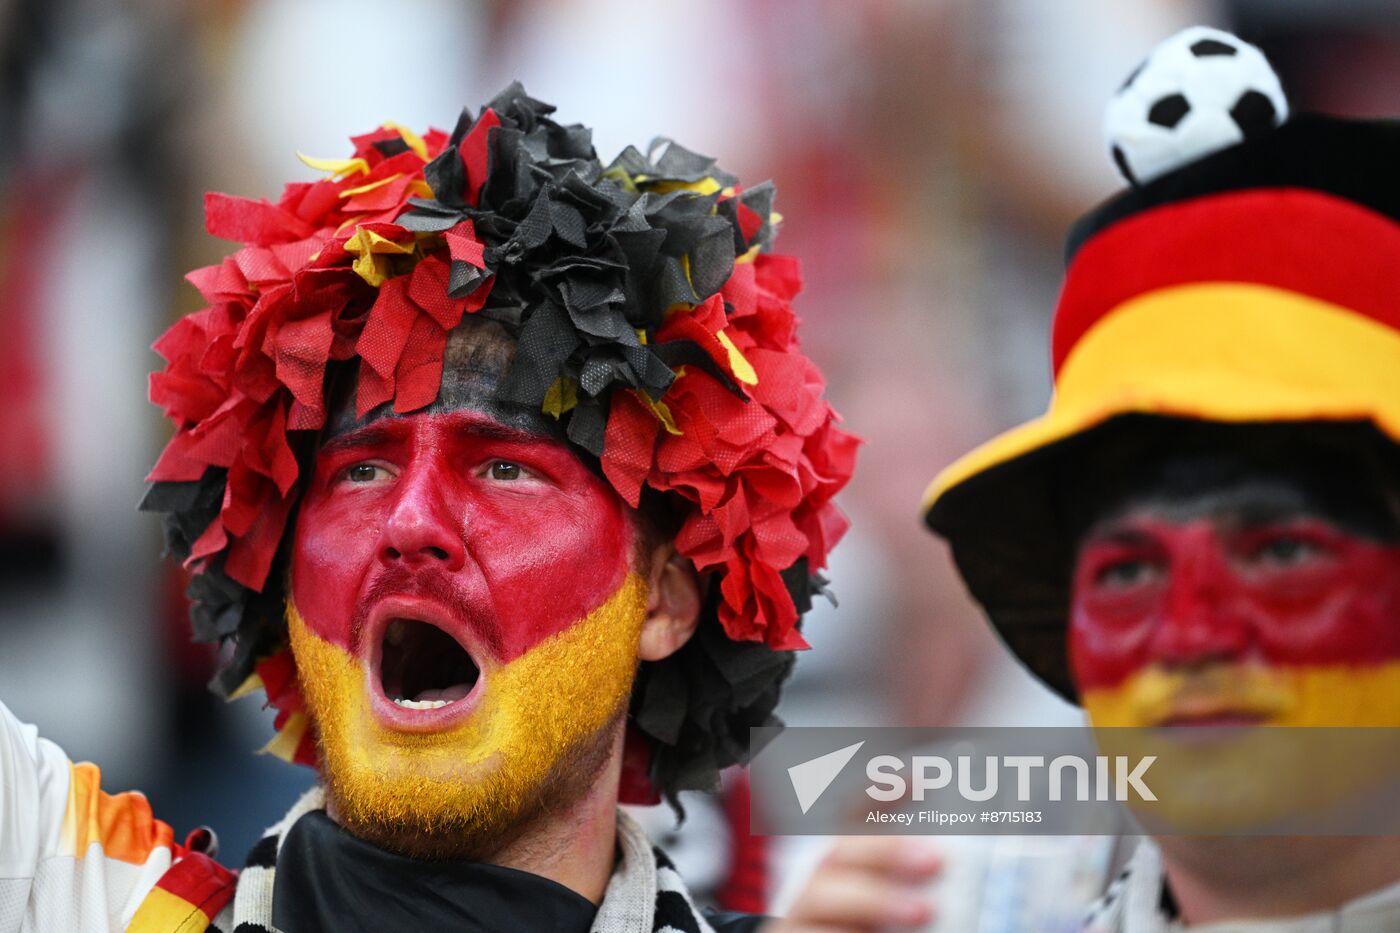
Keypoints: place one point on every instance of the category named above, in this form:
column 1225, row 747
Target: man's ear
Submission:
column 673, row 604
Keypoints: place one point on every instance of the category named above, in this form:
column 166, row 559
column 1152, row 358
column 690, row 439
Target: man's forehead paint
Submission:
column 476, row 359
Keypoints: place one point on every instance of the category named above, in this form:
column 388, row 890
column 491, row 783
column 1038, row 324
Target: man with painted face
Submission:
column 1204, row 528
column 501, row 472
column 468, row 602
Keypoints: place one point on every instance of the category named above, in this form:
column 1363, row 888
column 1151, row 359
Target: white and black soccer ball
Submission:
column 1200, row 91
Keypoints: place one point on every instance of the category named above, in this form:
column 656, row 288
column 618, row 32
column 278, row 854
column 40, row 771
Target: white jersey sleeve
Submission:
column 72, row 858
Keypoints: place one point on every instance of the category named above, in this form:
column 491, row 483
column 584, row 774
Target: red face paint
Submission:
column 1292, row 592
column 507, row 532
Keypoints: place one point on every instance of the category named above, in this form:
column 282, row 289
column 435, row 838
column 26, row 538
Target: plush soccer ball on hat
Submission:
column 1198, row 92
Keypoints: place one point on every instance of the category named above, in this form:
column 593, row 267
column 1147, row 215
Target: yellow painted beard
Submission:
column 544, row 721
column 1345, row 754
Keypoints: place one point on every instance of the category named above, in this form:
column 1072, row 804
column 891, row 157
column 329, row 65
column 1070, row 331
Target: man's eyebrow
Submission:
column 385, row 431
column 371, row 435
column 500, row 432
column 1120, row 534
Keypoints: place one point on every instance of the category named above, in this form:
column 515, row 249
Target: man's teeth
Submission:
column 422, row 704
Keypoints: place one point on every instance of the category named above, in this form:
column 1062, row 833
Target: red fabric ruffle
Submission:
column 251, row 367
column 761, row 472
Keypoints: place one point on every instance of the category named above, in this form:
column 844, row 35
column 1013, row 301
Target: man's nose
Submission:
column 423, row 527
column 1199, row 623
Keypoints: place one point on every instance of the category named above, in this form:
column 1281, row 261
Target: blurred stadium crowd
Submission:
column 928, row 156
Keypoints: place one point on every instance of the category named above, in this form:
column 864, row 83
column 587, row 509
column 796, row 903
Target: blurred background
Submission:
column 929, row 155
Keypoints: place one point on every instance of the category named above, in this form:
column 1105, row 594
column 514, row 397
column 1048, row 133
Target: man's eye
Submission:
column 1285, row 551
column 505, row 470
column 1125, row 574
column 363, row 473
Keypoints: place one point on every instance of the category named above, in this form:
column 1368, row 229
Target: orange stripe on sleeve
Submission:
column 122, row 824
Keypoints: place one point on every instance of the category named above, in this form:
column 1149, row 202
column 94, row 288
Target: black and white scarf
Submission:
column 645, row 894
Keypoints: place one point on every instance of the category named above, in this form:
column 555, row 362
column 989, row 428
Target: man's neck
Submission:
column 576, row 846
column 1262, row 878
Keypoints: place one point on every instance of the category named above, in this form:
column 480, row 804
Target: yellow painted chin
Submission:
column 1322, row 695
column 1337, row 750
column 477, row 777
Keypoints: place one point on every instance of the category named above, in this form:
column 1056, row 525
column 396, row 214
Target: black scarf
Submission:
column 334, row 881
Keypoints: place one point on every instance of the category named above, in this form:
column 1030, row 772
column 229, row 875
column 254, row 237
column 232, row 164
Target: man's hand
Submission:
column 865, row 885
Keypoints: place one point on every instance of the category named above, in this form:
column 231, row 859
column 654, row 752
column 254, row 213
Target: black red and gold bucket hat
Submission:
column 1255, row 282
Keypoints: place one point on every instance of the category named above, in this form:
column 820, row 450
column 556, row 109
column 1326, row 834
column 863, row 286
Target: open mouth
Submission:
column 423, row 667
